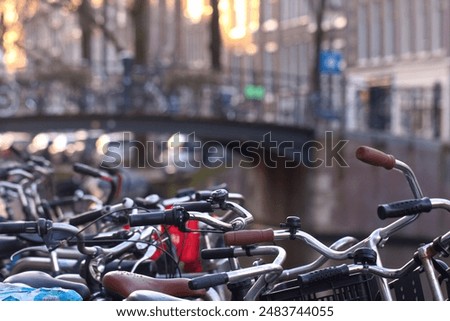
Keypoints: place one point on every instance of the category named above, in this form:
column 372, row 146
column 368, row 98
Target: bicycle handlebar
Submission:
column 332, row 272
column 344, row 270
column 404, row 208
column 86, row 217
column 90, row 216
column 175, row 216
column 377, row 236
column 199, row 206
column 179, row 215
column 375, row 157
column 207, row 281
column 438, row 246
column 39, row 226
column 247, row 237
column 217, row 253
column 152, row 201
column 43, row 228
column 240, row 238
column 103, row 175
column 55, row 233
column 204, row 195
column 411, row 207
column 378, row 158
column 274, row 268
column 23, row 170
column 91, row 171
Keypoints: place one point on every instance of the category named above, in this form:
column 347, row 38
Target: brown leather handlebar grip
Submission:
column 247, row 237
column 375, row 157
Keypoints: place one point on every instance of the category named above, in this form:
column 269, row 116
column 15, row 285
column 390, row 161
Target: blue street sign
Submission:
column 330, row 62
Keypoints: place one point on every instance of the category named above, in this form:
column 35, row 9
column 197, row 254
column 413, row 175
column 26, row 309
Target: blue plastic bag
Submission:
column 16, row 292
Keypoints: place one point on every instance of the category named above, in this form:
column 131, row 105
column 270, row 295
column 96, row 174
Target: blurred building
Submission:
column 269, row 45
column 382, row 65
column 394, row 58
column 398, row 67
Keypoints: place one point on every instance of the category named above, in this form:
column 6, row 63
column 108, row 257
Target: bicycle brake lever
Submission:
column 40, row 248
column 148, row 254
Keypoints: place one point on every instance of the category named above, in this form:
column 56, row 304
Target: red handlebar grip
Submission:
column 247, row 237
column 375, row 157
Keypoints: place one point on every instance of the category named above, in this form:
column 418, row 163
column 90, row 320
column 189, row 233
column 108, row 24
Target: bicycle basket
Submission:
column 349, row 288
column 408, row 287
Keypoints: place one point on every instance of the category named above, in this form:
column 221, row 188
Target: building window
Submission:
column 420, row 25
column 268, row 70
column 436, row 22
column 303, row 61
column 362, row 31
column 284, row 10
column 267, row 12
column 418, row 111
column 284, row 60
column 248, row 62
column 235, row 66
column 304, row 7
column 388, row 31
column 293, row 9
column 405, row 26
column 293, row 60
column 379, row 107
column 375, row 30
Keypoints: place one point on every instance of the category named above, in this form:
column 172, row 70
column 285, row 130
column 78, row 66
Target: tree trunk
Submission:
column 319, row 9
column 216, row 42
column 140, row 14
column 85, row 18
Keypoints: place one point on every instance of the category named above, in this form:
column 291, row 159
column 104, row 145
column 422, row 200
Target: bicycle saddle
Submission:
column 124, row 283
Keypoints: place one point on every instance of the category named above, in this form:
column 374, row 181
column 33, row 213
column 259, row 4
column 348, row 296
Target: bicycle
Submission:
column 364, row 252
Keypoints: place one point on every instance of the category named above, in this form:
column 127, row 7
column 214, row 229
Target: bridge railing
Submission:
column 234, row 95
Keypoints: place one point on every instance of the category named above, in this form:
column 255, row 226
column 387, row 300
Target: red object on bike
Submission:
column 187, row 246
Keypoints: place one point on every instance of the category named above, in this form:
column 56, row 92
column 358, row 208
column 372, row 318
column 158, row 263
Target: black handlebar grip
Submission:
column 207, row 281
column 18, row 227
column 375, row 157
column 202, row 195
column 145, row 219
column 247, row 237
column 329, row 273
column 175, row 216
column 217, row 253
column 88, row 170
column 3, row 174
column 404, row 208
column 61, row 202
column 200, row 206
column 86, row 217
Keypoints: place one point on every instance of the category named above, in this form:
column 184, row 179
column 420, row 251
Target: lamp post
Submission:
column 328, row 59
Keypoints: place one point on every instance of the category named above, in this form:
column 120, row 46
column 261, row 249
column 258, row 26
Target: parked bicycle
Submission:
column 148, row 248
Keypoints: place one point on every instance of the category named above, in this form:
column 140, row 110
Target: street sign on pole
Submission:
column 254, row 92
column 330, row 62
